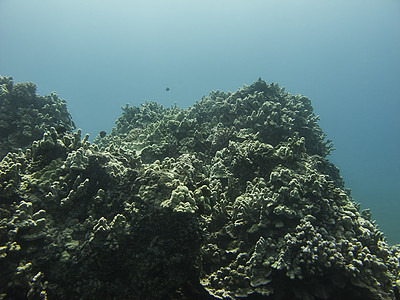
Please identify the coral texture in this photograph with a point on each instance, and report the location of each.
(231, 198)
(25, 116)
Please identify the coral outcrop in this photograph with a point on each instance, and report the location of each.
(231, 198)
(26, 116)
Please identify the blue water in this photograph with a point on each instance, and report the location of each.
(344, 55)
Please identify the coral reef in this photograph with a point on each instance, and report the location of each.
(231, 198)
(25, 116)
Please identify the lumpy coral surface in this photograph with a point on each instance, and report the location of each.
(231, 198)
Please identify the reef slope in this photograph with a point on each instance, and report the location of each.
(231, 198)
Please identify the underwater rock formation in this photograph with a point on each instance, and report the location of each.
(231, 198)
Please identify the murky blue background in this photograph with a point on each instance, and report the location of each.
(344, 55)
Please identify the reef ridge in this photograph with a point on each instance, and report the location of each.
(232, 198)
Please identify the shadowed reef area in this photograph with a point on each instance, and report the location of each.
(231, 198)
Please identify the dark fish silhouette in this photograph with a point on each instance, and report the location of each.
(102, 133)
(167, 89)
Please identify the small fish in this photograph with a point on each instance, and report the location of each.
(61, 129)
(102, 133)
(167, 89)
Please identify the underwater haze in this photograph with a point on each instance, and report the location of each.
(343, 55)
